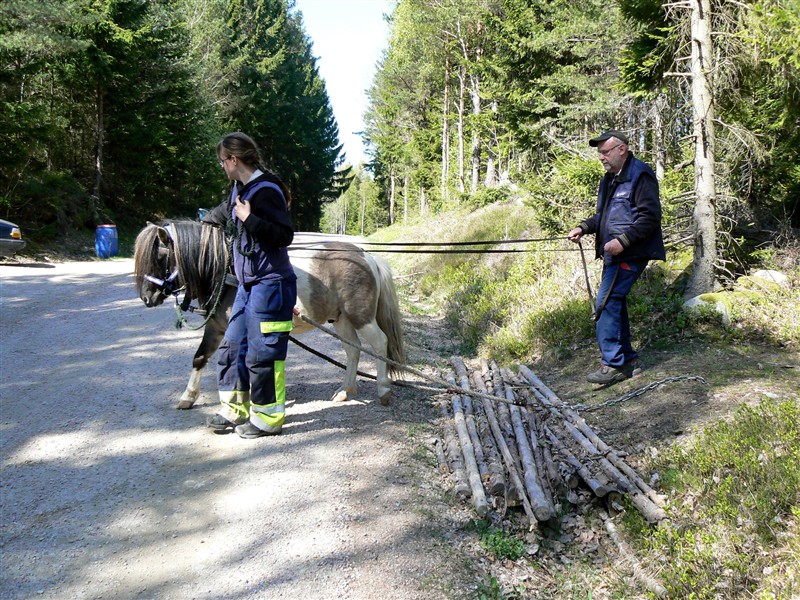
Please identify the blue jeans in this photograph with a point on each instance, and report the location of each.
(613, 326)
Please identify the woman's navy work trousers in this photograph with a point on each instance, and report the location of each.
(250, 371)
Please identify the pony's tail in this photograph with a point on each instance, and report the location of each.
(388, 316)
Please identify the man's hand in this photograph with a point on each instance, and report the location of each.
(242, 210)
(575, 235)
(613, 247)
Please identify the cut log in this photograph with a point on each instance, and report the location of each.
(438, 450)
(468, 452)
(649, 509)
(648, 581)
(614, 458)
(454, 455)
(596, 486)
(516, 482)
(496, 481)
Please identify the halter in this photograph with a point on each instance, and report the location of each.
(168, 285)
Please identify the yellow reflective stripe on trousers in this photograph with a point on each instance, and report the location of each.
(270, 417)
(235, 404)
(275, 326)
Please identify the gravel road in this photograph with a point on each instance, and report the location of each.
(109, 492)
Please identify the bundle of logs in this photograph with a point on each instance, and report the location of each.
(530, 449)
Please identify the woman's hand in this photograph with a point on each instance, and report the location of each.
(242, 210)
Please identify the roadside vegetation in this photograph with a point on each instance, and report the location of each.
(732, 472)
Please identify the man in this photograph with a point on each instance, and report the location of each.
(627, 228)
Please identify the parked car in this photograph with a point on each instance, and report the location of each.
(11, 240)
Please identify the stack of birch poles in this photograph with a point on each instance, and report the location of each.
(531, 450)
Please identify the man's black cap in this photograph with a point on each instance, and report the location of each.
(606, 135)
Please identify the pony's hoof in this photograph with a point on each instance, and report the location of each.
(385, 398)
(184, 405)
(340, 396)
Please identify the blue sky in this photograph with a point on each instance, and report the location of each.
(348, 38)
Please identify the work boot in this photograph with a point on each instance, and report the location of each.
(607, 375)
(220, 423)
(249, 431)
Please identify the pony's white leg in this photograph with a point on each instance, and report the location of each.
(378, 340)
(191, 392)
(350, 387)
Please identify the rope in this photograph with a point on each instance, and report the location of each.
(327, 358)
(398, 382)
(517, 241)
(445, 385)
(482, 251)
(316, 246)
(586, 276)
(448, 387)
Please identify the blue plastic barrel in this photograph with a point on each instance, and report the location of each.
(105, 241)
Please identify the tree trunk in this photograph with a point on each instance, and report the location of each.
(363, 207)
(476, 140)
(461, 110)
(100, 133)
(405, 199)
(659, 150)
(392, 192)
(446, 127)
(493, 155)
(344, 215)
(704, 218)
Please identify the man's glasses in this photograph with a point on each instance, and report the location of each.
(605, 152)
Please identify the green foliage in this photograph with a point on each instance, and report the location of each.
(126, 100)
(53, 198)
(486, 196)
(359, 210)
(565, 192)
(741, 485)
(497, 542)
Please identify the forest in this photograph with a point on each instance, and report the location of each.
(483, 100)
(112, 109)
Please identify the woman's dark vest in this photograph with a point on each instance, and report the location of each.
(272, 263)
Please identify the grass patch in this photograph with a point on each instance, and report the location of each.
(736, 508)
(496, 542)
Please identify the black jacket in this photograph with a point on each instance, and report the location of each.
(264, 236)
(629, 210)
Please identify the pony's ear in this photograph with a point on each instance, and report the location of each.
(163, 235)
(148, 224)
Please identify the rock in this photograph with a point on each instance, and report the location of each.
(717, 301)
(774, 276)
(763, 281)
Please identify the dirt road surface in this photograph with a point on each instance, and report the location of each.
(109, 492)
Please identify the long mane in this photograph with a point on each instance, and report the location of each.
(145, 255)
(200, 253)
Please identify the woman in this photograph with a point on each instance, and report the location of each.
(251, 357)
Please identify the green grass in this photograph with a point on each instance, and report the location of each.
(735, 512)
(734, 489)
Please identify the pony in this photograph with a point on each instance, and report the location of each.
(337, 282)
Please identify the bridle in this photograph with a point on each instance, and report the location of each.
(169, 284)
